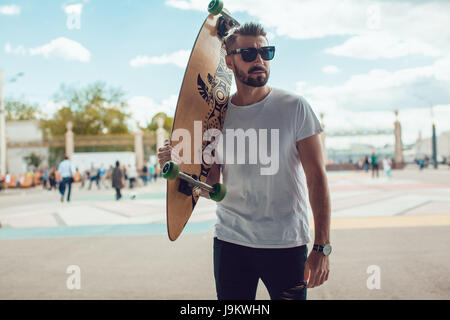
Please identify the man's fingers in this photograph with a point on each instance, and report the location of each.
(306, 273)
(321, 278)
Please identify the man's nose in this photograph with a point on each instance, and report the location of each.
(259, 59)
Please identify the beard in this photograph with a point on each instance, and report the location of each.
(250, 80)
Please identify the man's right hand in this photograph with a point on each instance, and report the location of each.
(164, 153)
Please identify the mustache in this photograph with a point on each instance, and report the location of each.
(257, 68)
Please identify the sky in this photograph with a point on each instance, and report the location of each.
(354, 61)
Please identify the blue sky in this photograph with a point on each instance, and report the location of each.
(355, 60)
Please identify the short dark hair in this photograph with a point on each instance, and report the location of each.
(247, 29)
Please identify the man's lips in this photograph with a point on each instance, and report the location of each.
(257, 72)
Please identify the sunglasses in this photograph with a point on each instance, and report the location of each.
(250, 54)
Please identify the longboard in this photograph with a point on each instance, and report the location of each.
(201, 105)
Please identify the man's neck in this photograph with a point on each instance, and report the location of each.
(246, 95)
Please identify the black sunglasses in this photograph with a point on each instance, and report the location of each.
(250, 54)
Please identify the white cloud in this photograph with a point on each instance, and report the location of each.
(20, 50)
(378, 44)
(144, 108)
(375, 28)
(331, 69)
(10, 10)
(178, 58)
(63, 48)
(367, 101)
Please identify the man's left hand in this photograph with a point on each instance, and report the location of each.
(317, 268)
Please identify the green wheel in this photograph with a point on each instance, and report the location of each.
(215, 7)
(170, 170)
(219, 192)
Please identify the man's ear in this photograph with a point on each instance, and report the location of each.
(228, 60)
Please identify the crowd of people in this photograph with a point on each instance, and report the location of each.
(61, 177)
(373, 163)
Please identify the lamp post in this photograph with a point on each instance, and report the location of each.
(433, 132)
(434, 144)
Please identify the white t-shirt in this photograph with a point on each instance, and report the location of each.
(266, 208)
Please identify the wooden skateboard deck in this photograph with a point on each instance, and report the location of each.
(203, 98)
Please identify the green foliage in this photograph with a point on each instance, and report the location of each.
(21, 110)
(168, 122)
(34, 160)
(93, 110)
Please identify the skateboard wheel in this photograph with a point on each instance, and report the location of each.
(219, 192)
(170, 170)
(215, 7)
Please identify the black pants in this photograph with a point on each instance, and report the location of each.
(118, 195)
(237, 270)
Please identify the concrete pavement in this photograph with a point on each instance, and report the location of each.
(399, 228)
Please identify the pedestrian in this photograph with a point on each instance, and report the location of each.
(101, 176)
(45, 177)
(366, 164)
(374, 163)
(52, 179)
(387, 167)
(94, 176)
(132, 175)
(117, 180)
(262, 230)
(65, 170)
(151, 172)
(144, 175)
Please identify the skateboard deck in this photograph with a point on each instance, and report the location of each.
(202, 104)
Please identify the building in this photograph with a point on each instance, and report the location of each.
(23, 138)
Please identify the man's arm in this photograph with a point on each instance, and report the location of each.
(310, 152)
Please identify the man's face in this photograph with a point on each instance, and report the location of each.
(255, 73)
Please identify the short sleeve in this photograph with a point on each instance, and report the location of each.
(307, 123)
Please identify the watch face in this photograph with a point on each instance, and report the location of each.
(327, 249)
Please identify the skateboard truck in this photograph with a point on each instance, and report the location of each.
(171, 171)
(226, 21)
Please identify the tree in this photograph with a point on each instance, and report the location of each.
(21, 110)
(93, 110)
(34, 160)
(168, 122)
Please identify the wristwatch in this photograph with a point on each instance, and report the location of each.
(325, 249)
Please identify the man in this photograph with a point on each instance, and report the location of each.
(65, 170)
(262, 227)
(374, 161)
(117, 180)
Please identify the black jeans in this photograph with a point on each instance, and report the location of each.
(237, 270)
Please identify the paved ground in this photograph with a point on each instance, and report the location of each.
(398, 227)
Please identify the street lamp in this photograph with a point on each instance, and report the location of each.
(3, 122)
(433, 128)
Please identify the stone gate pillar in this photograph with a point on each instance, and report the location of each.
(398, 156)
(139, 148)
(69, 140)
